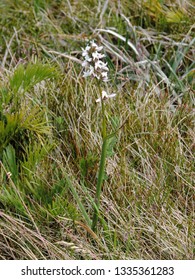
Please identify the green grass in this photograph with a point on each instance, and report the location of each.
(50, 131)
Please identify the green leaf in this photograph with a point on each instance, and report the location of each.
(9, 161)
(24, 79)
(78, 200)
(9, 124)
(110, 146)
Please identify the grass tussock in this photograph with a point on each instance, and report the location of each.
(50, 131)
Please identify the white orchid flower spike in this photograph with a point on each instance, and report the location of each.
(105, 96)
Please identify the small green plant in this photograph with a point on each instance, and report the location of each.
(96, 68)
(23, 129)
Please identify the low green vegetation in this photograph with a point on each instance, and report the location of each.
(51, 138)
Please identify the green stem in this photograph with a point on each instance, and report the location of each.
(101, 169)
(99, 185)
(104, 133)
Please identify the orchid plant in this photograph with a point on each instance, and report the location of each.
(96, 68)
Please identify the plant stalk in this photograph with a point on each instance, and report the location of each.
(101, 169)
(99, 185)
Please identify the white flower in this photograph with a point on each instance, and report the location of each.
(101, 65)
(98, 49)
(85, 51)
(96, 75)
(105, 96)
(104, 76)
(97, 55)
(88, 58)
(86, 54)
(89, 72)
(85, 63)
(93, 64)
(93, 44)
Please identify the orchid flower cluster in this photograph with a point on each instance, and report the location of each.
(95, 67)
